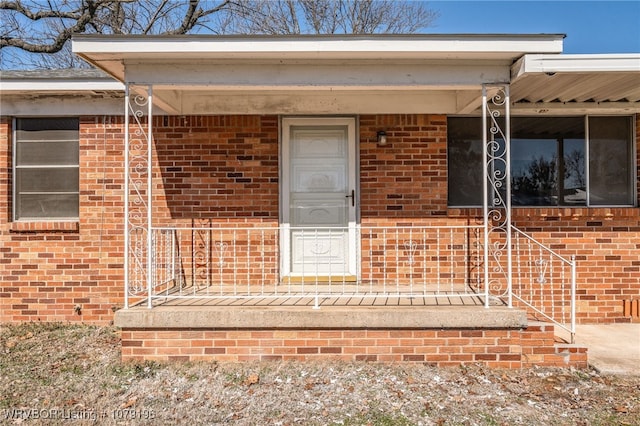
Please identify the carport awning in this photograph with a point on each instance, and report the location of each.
(576, 83)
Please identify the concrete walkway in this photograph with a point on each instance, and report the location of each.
(612, 348)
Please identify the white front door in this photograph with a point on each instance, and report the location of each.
(319, 197)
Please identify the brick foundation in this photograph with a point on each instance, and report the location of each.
(501, 348)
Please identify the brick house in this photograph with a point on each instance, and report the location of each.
(433, 198)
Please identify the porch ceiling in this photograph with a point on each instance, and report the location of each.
(315, 87)
(313, 74)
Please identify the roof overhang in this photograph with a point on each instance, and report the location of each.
(336, 75)
(57, 81)
(59, 92)
(112, 53)
(313, 74)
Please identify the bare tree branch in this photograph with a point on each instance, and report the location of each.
(43, 28)
(154, 17)
(41, 14)
(189, 20)
(64, 35)
(331, 17)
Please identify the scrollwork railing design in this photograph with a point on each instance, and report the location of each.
(201, 250)
(498, 203)
(137, 171)
(410, 247)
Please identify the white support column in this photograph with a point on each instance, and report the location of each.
(150, 251)
(507, 142)
(138, 261)
(573, 299)
(126, 196)
(485, 198)
(496, 129)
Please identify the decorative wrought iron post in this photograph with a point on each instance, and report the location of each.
(496, 134)
(138, 254)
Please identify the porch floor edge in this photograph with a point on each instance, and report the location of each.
(294, 317)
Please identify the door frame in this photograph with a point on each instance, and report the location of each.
(284, 188)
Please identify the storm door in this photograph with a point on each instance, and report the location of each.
(319, 198)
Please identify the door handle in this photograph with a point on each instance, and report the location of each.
(353, 197)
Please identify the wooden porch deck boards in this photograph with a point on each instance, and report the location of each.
(379, 299)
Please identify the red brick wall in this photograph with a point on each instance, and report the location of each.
(219, 171)
(502, 348)
(225, 169)
(606, 243)
(407, 178)
(49, 268)
(222, 168)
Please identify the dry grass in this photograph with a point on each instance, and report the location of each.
(73, 373)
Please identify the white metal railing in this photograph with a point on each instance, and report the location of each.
(241, 263)
(395, 262)
(544, 281)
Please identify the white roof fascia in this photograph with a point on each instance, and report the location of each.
(590, 63)
(58, 86)
(372, 47)
(110, 52)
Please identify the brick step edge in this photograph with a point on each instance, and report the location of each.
(552, 353)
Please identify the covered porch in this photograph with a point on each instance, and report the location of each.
(307, 250)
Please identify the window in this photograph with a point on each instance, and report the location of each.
(610, 166)
(46, 168)
(555, 161)
(548, 161)
(464, 155)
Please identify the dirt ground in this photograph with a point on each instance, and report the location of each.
(72, 374)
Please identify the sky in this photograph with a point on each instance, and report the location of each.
(590, 26)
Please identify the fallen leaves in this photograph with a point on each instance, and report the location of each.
(130, 402)
(252, 379)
